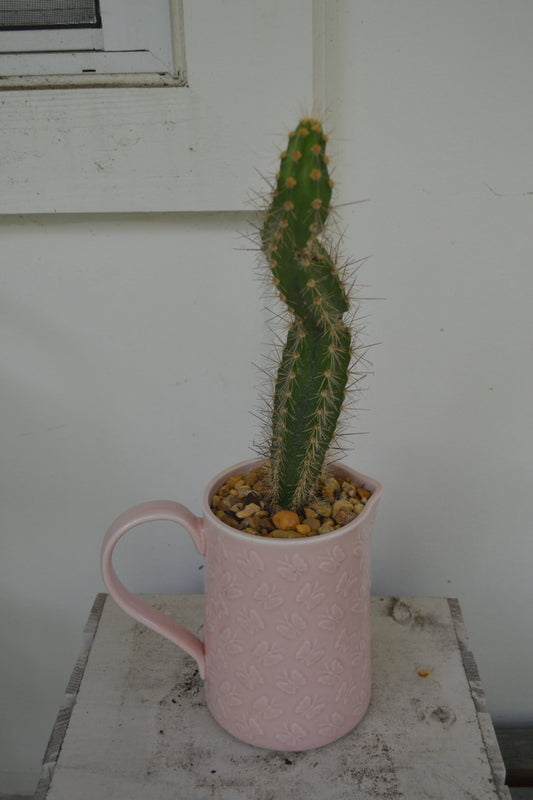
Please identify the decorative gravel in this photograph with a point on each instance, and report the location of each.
(242, 503)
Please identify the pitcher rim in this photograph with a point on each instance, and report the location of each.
(337, 467)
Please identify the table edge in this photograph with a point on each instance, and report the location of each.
(59, 730)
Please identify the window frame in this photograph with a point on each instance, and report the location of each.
(143, 46)
(145, 148)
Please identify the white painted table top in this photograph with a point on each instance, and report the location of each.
(134, 725)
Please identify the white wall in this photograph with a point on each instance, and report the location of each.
(127, 345)
(435, 124)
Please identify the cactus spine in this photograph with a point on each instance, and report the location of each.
(314, 368)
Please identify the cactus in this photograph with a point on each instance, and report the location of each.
(314, 368)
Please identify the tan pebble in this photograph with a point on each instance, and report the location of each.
(283, 534)
(226, 502)
(331, 487)
(259, 486)
(364, 494)
(286, 520)
(237, 507)
(344, 519)
(327, 527)
(215, 501)
(338, 505)
(251, 530)
(343, 511)
(313, 523)
(227, 519)
(310, 512)
(358, 507)
(249, 522)
(323, 509)
(305, 529)
(248, 511)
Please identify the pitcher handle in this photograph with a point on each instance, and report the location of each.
(133, 605)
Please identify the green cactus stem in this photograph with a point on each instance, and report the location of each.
(314, 368)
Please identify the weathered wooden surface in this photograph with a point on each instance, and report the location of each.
(139, 727)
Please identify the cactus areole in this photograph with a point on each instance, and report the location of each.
(314, 367)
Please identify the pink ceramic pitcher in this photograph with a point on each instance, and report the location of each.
(286, 653)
